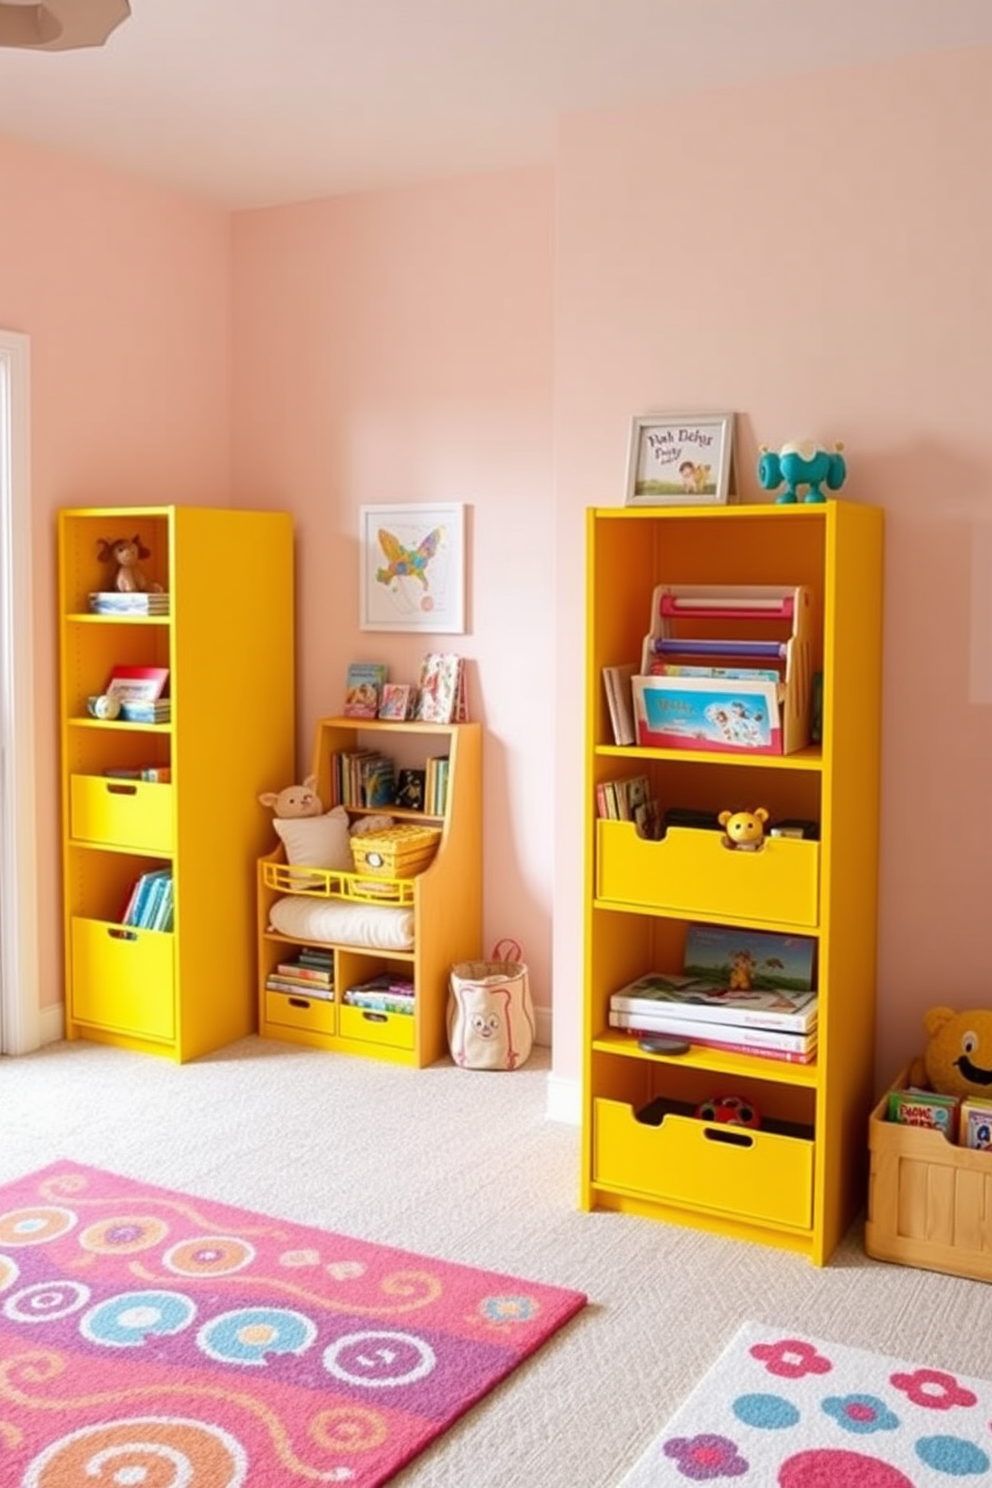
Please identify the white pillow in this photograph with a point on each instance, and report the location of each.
(381, 927)
(317, 841)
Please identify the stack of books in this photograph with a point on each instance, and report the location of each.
(382, 994)
(749, 992)
(110, 602)
(310, 973)
(140, 710)
(151, 903)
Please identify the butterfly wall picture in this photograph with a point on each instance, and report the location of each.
(412, 568)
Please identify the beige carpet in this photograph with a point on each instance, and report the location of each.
(465, 1165)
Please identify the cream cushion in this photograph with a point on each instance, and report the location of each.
(317, 841)
(381, 927)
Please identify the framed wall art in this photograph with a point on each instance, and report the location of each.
(680, 459)
(413, 568)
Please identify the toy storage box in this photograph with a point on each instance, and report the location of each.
(929, 1202)
(395, 852)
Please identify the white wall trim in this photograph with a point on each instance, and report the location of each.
(564, 1100)
(18, 825)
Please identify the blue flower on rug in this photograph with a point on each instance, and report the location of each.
(952, 1455)
(769, 1412)
(703, 1458)
(861, 1413)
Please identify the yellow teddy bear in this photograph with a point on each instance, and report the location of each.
(958, 1056)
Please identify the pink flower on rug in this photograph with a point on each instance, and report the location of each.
(933, 1389)
(791, 1358)
(703, 1458)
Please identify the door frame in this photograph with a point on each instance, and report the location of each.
(20, 1014)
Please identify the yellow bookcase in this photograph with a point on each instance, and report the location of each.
(798, 1182)
(227, 641)
(444, 900)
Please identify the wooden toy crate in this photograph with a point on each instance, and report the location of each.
(395, 852)
(929, 1202)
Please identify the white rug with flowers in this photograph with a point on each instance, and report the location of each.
(781, 1410)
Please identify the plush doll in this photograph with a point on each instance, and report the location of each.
(744, 829)
(294, 800)
(958, 1056)
(126, 552)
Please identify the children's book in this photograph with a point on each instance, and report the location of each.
(616, 684)
(397, 701)
(715, 1035)
(363, 688)
(441, 693)
(750, 960)
(410, 789)
(706, 1002)
(144, 684)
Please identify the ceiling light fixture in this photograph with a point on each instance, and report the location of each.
(59, 25)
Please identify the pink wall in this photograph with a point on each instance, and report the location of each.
(812, 254)
(397, 347)
(815, 255)
(124, 292)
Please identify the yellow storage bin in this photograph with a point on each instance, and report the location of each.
(123, 979)
(929, 1202)
(754, 1176)
(689, 871)
(121, 813)
(296, 1010)
(395, 852)
(368, 1026)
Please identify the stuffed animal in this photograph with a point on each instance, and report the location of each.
(744, 830)
(126, 553)
(958, 1056)
(294, 800)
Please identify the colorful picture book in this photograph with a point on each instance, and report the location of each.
(144, 684)
(702, 713)
(753, 960)
(738, 1036)
(397, 701)
(705, 1002)
(410, 785)
(385, 993)
(363, 688)
(441, 692)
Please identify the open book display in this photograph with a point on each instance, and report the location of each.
(726, 669)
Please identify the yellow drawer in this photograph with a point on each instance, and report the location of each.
(691, 872)
(123, 979)
(296, 1010)
(394, 1030)
(750, 1175)
(121, 813)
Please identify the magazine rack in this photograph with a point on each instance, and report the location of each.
(728, 629)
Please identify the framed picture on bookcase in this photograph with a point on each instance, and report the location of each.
(412, 574)
(680, 459)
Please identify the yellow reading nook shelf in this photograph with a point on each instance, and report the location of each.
(168, 796)
(798, 1178)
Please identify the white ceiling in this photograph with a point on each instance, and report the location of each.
(258, 102)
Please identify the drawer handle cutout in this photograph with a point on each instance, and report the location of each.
(122, 790)
(376, 1017)
(117, 932)
(300, 1002)
(732, 1138)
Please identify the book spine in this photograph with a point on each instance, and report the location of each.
(787, 1056)
(297, 989)
(298, 970)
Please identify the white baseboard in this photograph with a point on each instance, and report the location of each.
(564, 1100)
(52, 1023)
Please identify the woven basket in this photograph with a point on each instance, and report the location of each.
(395, 852)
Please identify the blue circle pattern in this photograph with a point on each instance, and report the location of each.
(769, 1412)
(249, 1334)
(129, 1319)
(861, 1414)
(952, 1455)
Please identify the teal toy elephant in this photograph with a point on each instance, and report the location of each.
(803, 463)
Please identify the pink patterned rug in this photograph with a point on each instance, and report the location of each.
(149, 1337)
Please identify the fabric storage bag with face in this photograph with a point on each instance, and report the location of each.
(490, 1012)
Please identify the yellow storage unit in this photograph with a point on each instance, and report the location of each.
(173, 796)
(798, 1181)
(437, 892)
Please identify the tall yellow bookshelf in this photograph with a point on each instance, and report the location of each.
(443, 903)
(798, 1181)
(226, 638)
